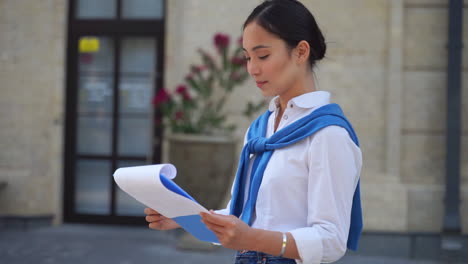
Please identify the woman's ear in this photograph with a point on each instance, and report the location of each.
(302, 51)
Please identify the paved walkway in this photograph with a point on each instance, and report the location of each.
(73, 243)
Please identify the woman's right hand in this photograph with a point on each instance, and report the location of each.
(158, 221)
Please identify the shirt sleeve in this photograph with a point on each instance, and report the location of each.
(334, 167)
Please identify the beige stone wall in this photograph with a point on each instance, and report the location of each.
(386, 65)
(357, 73)
(424, 114)
(32, 66)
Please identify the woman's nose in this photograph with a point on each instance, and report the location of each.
(253, 68)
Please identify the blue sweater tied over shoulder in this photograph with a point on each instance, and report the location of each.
(257, 143)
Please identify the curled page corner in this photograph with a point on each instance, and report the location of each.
(152, 186)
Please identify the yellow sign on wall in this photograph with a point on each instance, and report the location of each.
(88, 45)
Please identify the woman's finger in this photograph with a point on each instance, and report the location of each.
(159, 224)
(220, 220)
(214, 227)
(153, 218)
(219, 235)
(207, 221)
(156, 225)
(150, 211)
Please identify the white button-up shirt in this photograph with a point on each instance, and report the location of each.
(308, 187)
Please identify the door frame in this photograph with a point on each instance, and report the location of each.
(115, 29)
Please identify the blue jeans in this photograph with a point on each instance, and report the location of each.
(253, 257)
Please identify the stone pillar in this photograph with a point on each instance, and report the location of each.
(394, 90)
(32, 73)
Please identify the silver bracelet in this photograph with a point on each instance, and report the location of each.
(283, 246)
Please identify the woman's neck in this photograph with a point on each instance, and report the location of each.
(302, 86)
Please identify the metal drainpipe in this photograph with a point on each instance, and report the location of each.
(451, 245)
(452, 185)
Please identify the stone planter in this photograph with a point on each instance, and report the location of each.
(205, 166)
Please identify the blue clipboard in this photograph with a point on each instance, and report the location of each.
(191, 223)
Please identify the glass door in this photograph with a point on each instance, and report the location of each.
(109, 123)
(114, 69)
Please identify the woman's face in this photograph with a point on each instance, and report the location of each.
(269, 61)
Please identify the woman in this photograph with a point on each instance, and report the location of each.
(296, 193)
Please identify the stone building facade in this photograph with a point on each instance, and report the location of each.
(386, 65)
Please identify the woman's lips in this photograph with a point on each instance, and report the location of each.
(260, 84)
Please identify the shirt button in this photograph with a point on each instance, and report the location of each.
(285, 117)
(292, 105)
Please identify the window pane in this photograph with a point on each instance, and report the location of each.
(96, 9)
(135, 136)
(93, 187)
(96, 55)
(127, 205)
(138, 56)
(136, 91)
(152, 9)
(94, 135)
(95, 97)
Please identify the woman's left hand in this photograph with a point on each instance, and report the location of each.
(232, 232)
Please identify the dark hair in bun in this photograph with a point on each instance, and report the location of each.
(292, 22)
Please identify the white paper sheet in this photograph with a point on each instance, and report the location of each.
(144, 184)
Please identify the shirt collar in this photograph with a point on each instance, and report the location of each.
(307, 100)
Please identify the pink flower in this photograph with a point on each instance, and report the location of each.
(189, 77)
(221, 41)
(162, 96)
(186, 97)
(181, 89)
(238, 61)
(200, 68)
(179, 115)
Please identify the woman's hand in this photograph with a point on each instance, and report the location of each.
(231, 231)
(158, 221)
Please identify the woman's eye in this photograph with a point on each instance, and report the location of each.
(264, 57)
(246, 58)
